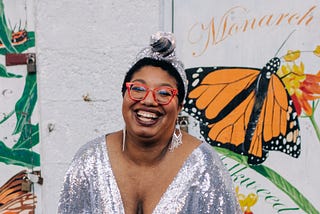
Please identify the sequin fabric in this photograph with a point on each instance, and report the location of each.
(202, 185)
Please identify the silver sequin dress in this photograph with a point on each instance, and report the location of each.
(202, 185)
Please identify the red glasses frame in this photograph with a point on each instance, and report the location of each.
(174, 92)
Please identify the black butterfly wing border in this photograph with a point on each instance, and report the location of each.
(288, 142)
(195, 77)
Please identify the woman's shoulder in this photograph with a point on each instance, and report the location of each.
(207, 149)
(206, 155)
(87, 150)
(200, 146)
(200, 149)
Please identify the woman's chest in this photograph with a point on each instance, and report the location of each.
(141, 190)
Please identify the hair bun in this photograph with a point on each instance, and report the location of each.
(162, 47)
(163, 43)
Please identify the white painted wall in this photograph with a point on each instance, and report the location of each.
(84, 48)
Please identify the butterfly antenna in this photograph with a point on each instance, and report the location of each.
(284, 42)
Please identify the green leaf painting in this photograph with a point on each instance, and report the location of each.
(21, 153)
(25, 105)
(29, 137)
(275, 178)
(20, 157)
(5, 74)
(5, 32)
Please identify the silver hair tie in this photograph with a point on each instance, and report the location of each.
(162, 47)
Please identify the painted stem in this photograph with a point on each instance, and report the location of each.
(312, 119)
(276, 179)
(315, 126)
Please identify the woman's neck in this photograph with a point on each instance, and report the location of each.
(145, 153)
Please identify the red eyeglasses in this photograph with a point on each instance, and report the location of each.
(162, 95)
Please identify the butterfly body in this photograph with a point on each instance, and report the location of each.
(261, 90)
(246, 110)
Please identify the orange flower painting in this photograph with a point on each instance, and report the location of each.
(303, 88)
(246, 201)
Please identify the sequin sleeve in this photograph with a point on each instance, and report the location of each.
(215, 192)
(74, 197)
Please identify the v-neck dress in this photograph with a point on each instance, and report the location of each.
(202, 185)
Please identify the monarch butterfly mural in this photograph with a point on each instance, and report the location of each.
(13, 199)
(17, 38)
(246, 110)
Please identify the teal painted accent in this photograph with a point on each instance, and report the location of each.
(21, 153)
(20, 157)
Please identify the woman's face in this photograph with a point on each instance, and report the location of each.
(146, 119)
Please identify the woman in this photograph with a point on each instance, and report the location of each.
(151, 166)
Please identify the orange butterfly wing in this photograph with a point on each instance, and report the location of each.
(209, 98)
(232, 127)
(222, 99)
(13, 199)
(218, 88)
(278, 126)
(24, 203)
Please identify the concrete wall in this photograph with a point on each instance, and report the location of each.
(83, 50)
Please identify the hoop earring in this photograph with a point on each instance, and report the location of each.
(176, 140)
(123, 139)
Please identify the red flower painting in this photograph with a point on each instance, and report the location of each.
(304, 88)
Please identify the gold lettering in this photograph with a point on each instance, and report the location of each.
(224, 28)
(282, 16)
(233, 29)
(199, 36)
(267, 23)
(293, 16)
(202, 35)
(253, 23)
(307, 14)
(213, 31)
(245, 25)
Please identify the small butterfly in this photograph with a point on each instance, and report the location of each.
(17, 38)
(13, 199)
(246, 110)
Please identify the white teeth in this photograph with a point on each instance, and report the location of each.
(145, 119)
(147, 114)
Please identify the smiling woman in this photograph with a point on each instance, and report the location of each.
(150, 166)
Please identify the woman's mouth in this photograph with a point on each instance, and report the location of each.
(147, 117)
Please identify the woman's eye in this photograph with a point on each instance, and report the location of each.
(164, 92)
(138, 88)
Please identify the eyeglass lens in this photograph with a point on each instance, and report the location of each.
(162, 95)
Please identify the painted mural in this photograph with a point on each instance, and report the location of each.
(19, 127)
(254, 90)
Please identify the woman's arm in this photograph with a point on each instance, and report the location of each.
(75, 194)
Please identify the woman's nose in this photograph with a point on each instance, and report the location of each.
(149, 100)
